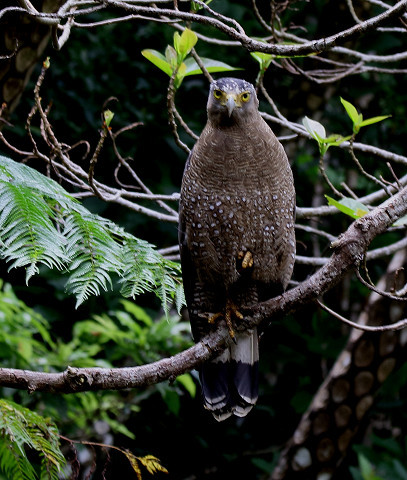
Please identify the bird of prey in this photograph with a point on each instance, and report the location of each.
(236, 234)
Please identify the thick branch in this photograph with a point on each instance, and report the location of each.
(74, 380)
(328, 427)
(221, 22)
(349, 252)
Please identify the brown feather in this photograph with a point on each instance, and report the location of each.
(237, 196)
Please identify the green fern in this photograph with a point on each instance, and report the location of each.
(27, 232)
(41, 224)
(94, 254)
(21, 428)
(145, 271)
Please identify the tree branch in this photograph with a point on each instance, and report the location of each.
(220, 22)
(349, 251)
(325, 432)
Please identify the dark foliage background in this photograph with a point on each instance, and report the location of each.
(296, 352)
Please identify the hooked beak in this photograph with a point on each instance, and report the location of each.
(230, 104)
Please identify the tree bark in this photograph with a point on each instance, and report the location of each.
(22, 43)
(349, 251)
(326, 430)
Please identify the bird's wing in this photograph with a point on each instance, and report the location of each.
(196, 295)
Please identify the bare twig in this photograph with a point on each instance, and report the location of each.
(371, 287)
(349, 251)
(223, 24)
(366, 328)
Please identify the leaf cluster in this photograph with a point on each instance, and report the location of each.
(21, 428)
(24, 334)
(318, 132)
(151, 463)
(356, 209)
(389, 463)
(41, 224)
(122, 337)
(357, 118)
(175, 62)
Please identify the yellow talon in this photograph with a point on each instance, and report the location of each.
(246, 258)
(230, 312)
(214, 317)
(247, 261)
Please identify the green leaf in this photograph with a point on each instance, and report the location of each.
(336, 140)
(357, 118)
(180, 75)
(213, 66)
(171, 57)
(158, 60)
(365, 466)
(370, 121)
(264, 465)
(366, 469)
(195, 7)
(351, 111)
(137, 312)
(108, 117)
(187, 382)
(400, 469)
(24, 334)
(317, 131)
(172, 400)
(184, 43)
(349, 206)
(264, 59)
(401, 222)
(177, 41)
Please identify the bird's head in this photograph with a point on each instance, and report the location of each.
(231, 101)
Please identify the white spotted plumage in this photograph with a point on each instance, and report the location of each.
(237, 196)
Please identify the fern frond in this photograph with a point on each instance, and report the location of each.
(152, 464)
(40, 223)
(12, 463)
(94, 253)
(140, 260)
(27, 231)
(20, 428)
(24, 176)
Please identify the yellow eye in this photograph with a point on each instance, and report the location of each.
(245, 96)
(217, 94)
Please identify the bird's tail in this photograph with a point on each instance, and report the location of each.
(230, 381)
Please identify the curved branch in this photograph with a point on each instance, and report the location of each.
(349, 251)
(236, 31)
(366, 328)
(74, 380)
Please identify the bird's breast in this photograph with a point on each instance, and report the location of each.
(237, 195)
(222, 226)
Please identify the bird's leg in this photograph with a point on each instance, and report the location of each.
(214, 317)
(231, 311)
